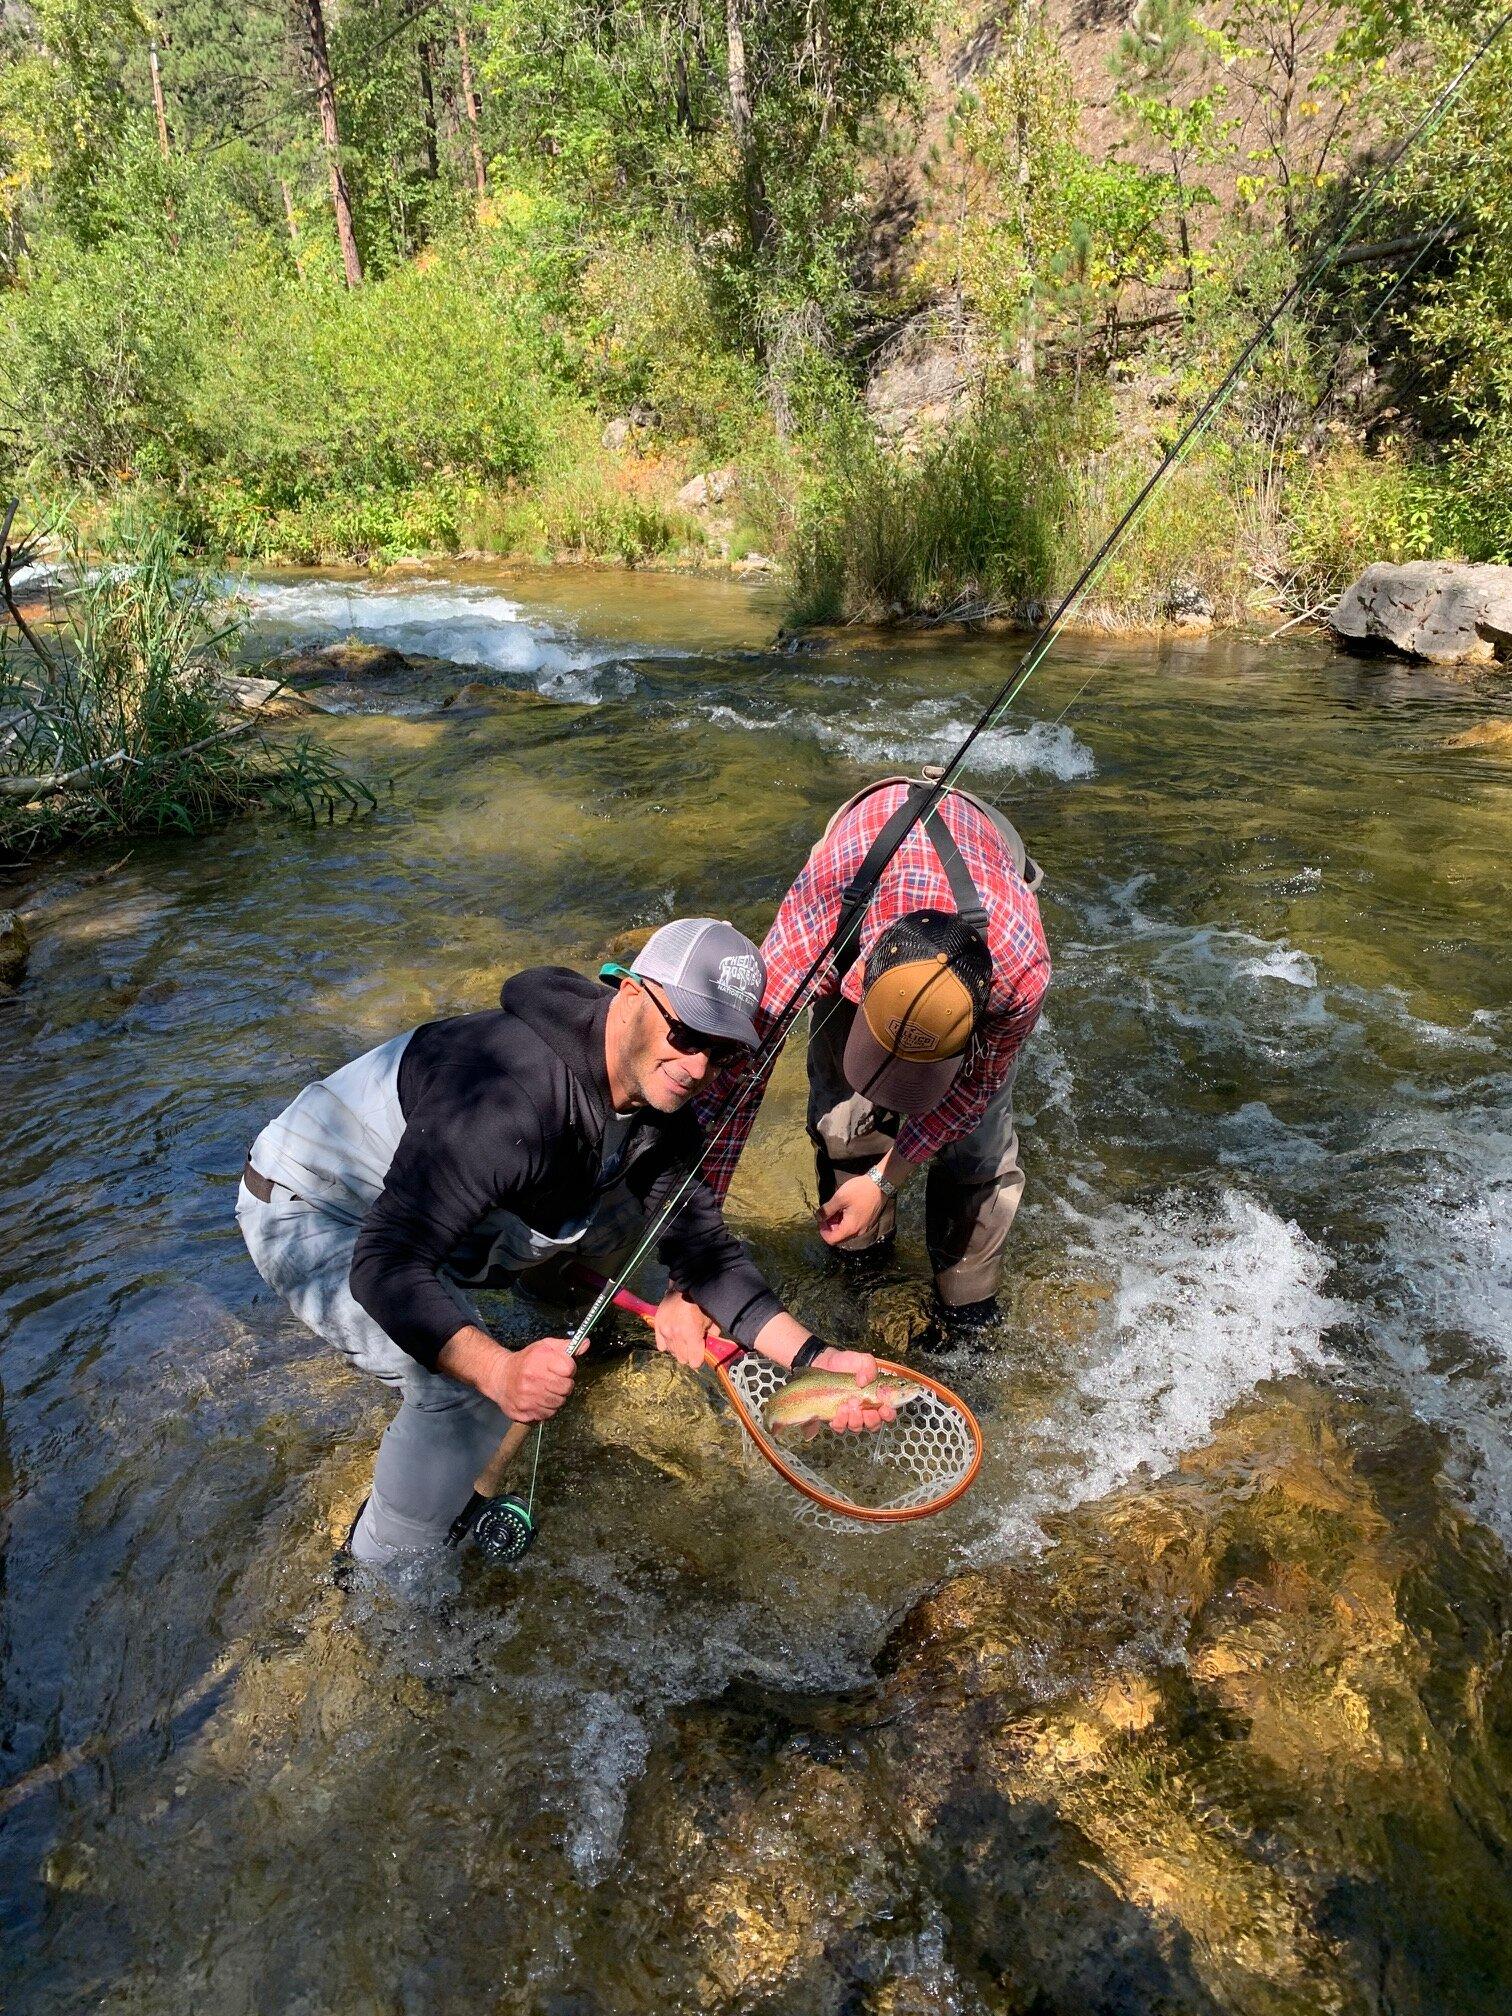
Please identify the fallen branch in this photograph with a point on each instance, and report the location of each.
(1394, 248)
(1307, 616)
(48, 787)
(37, 788)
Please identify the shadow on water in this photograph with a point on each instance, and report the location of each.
(1267, 1124)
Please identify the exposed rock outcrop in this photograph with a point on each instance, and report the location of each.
(351, 660)
(712, 487)
(1232, 1745)
(1434, 610)
(919, 381)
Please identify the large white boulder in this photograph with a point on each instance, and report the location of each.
(1437, 610)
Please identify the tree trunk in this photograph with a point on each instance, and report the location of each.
(753, 190)
(428, 110)
(1027, 324)
(470, 101)
(1026, 357)
(157, 98)
(325, 88)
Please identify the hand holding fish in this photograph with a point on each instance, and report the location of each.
(842, 1391)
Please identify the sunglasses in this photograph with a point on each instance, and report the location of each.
(720, 1050)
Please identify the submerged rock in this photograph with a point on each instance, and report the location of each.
(351, 660)
(474, 694)
(15, 950)
(1238, 1742)
(624, 945)
(1484, 735)
(1435, 610)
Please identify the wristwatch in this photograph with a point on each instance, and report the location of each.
(874, 1175)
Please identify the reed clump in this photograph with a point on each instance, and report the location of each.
(113, 713)
(972, 524)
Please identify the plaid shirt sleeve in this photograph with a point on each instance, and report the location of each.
(800, 931)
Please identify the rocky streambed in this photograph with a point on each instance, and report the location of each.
(1198, 1702)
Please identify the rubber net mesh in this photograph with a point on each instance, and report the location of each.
(908, 1463)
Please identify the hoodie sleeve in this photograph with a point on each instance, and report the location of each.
(457, 1160)
(706, 1261)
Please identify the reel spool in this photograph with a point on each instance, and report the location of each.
(504, 1529)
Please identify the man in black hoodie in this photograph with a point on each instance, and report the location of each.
(463, 1153)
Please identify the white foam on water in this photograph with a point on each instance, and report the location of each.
(929, 733)
(464, 624)
(610, 1745)
(890, 736)
(1475, 1035)
(1210, 1298)
(1443, 1319)
(1208, 1303)
(1281, 962)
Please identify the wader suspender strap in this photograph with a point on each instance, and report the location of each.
(969, 905)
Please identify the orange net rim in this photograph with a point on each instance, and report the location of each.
(720, 1352)
(846, 1508)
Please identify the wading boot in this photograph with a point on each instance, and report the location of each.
(963, 1326)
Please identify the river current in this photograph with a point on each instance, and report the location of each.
(1268, 1135)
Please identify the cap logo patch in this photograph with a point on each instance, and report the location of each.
(909, 1040)
(740, 975)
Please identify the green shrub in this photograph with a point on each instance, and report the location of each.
(652, 336)
(1205, 530)
(230, 374)
(1348, 508)
(115, 717)
(973, 524)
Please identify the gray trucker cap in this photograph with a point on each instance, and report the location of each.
(712, 975)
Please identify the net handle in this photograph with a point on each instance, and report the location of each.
(720, 1353)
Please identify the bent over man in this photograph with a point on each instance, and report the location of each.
(467, 1151)
(914, 1045)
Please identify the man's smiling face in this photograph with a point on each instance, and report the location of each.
(665, 1078)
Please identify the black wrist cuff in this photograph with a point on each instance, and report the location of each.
(807, 1352)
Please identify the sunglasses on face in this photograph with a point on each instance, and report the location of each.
(719, 1050)
(693, 1042)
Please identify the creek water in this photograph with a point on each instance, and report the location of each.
(1267, 1122)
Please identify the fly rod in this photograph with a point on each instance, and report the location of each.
(839, 947)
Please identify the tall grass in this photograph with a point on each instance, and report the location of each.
(998, 515)
(112, 716)
(972, 525)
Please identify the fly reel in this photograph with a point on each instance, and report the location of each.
(504, 1529)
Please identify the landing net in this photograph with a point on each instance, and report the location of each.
(912, 1466)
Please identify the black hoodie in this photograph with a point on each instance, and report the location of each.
(506, 1110)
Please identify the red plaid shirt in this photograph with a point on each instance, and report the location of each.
(912, 880)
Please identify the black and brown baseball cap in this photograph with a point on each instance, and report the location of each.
(926, 986)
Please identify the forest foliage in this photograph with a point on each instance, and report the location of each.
(364, 278)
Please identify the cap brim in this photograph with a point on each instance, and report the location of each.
(710, 1016)
(894, 1083)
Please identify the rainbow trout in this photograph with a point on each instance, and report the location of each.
(812, 1398)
